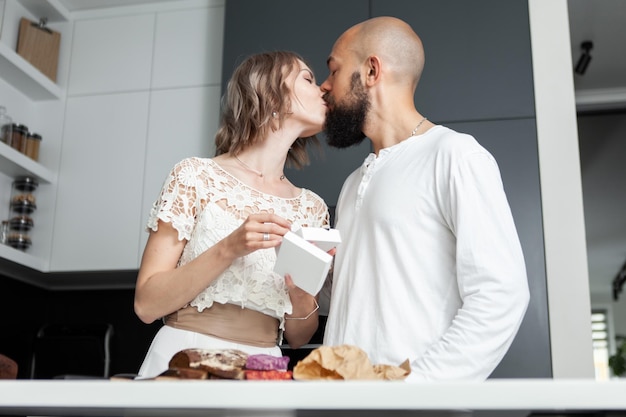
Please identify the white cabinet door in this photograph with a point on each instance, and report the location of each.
(182, 124)
(185, 99)
(143, 94)
(111, 54)
(188, 48)
(100, 183)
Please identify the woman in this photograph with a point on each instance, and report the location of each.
(207, 265)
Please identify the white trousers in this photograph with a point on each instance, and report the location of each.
(168, 341)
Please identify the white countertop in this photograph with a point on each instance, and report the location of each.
(286, 398)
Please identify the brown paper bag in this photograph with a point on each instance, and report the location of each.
(346, 362)
(39, 46)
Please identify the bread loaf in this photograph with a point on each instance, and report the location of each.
(223, 363)
(184, 373)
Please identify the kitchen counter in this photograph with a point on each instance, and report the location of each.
(504, 397)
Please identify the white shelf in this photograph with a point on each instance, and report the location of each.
(15, 164)
(18, 72)
(22, 258)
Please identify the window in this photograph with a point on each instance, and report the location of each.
(601, 346)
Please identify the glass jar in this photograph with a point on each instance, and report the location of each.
(21, 224)
(23, 205)
(6, 126)
(4, 232)
(19, 241)
(18, 137)
(33, 140)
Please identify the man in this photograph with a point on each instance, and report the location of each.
(430, 267)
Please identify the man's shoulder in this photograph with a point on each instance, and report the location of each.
(449, 140)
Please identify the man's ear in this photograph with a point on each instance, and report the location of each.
(373, 70)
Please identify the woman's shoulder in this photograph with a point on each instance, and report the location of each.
(313, 199)
(194, 162)
(193, 166)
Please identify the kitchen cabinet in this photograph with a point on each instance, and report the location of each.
(136, 92)
(147, 99)
(100, 182)
(478, 57)
(182, 124)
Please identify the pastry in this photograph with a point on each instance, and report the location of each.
(222, 363)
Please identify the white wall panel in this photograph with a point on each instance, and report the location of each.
(188, 47)
(182, 124)
(100, 183)
(112, 55)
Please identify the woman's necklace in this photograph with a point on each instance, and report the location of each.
(259, 173)
(414, 130)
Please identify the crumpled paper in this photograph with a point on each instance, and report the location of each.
(346, 362)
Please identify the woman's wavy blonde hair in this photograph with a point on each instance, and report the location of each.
(256, 89)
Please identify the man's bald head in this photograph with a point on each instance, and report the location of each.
(393, 40)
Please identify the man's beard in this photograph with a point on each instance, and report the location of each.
(345, 122)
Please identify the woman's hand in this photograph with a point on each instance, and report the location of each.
(300, 299)
(258, 231)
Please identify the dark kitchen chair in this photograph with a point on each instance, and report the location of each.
(72, 351)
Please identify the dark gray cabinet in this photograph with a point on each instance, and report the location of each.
(478, 57)
(310, 29)
(478, 80)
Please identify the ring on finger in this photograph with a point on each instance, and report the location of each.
(266, 237)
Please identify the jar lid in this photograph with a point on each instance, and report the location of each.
(21, 223)
(22, 128)
(35, 136)
(25, 183)
(23, 205)
(19, 240)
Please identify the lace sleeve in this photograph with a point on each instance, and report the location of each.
(325, 215)
(317, 211)
(177, 202)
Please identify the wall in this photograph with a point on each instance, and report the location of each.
(463, 87)
(561, 190)
(602, 144)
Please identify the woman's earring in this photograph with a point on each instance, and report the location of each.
(274, 114)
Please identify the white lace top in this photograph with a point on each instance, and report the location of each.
(205, 204)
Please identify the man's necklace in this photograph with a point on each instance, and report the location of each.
(414, 130)
(259, 173)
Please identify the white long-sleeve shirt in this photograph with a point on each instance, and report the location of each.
(430, 267)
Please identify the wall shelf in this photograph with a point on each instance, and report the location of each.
(15, 164)
(27, 79)
(22, 258)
